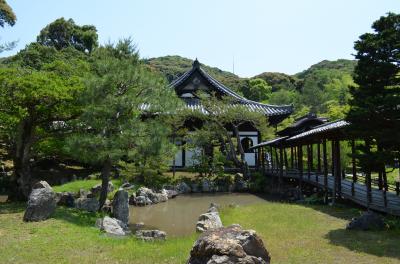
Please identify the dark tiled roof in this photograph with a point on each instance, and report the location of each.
(269, 110)
(314, 131)
(321, 129)
(269, 143)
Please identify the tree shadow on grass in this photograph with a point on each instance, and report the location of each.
(12, 208)
(75, 216)
(379, 243)
(342, 210)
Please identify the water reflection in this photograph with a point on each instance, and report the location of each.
(178, 216)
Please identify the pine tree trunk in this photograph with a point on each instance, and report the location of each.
(105, 176)
(22, 170)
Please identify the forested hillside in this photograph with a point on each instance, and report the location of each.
(323, 88)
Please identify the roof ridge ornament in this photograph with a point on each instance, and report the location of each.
(196, 64)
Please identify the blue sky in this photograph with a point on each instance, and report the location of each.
(261, 35)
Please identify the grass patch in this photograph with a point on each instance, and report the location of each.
(292, 233)
(75, 186)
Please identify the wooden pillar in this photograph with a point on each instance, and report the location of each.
(325, 161)
(338, 169)
(353, 166)
(291, 158)
(296, 158)
(308, 162)
(333, 145)
(368, 175)
(286, 159)
(319, 157)
(280, 168)
(277, 159)
(262, 154)
(300, 165)
(272, 158)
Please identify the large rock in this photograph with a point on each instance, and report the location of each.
(65, 199)
(229, 245)
(87, 204)
(367, 221)
(97, 188)
(150, 235)
(206, 186)
(112, 226)
(154, 197)
(171, 193)
(41, 204)
(209, 220)
(120, 206)
(182, 187)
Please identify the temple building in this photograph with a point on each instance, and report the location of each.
(197, 79)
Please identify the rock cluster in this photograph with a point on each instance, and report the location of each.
(87, 204)
(65, 199)
(151, 235)
(209, 220)
(367, 221)
(41, 204)
(145, 196)
(229, 245)
(95, 190)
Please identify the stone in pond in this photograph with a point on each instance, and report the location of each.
(142, 201)
(229, 245)
(367, 221)
(150, 235)
(120, 206)
(182, 187)
(41, 204)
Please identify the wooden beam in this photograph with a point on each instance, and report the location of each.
(338, 169)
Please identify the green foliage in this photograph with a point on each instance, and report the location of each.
(7, 15)
(258, 90)
(113, 125)
(63, 33)
(374, 111)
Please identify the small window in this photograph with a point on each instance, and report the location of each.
(246, 144)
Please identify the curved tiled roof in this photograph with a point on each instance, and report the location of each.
(269, 110)
(321, 128)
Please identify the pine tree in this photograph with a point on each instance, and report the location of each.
(119, 103)
(375, 104)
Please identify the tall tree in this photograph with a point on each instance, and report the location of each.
(120, 102)
(65, 33)
(374, 112)
(31, 100)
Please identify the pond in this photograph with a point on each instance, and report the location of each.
(178, 216)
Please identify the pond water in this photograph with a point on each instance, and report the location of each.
(178, 216)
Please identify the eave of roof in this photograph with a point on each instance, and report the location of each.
(270, 110)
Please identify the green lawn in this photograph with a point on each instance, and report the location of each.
(292, 233)
(75, 186)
